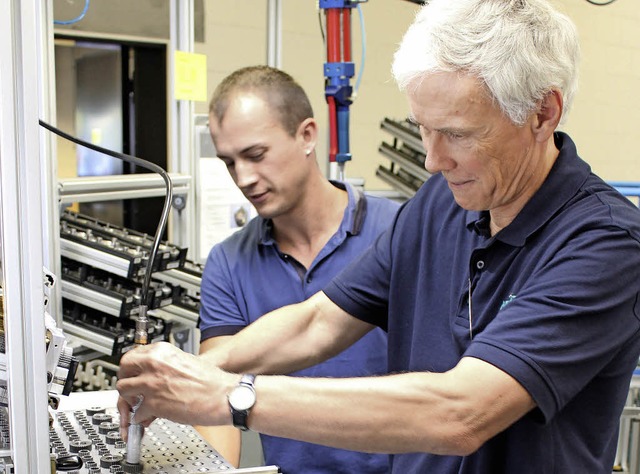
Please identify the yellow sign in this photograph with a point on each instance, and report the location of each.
(190, 76)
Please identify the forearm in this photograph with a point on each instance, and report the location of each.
(288, 339)
(443, 413)
(350, 414)
(415, 412)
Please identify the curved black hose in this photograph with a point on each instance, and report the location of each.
(145, 164)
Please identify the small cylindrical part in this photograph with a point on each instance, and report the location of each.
(107, 426)
(134, 443)
(142, 327)
(132, 468)
(108, 460)
(101, 418)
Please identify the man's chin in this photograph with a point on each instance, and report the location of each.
(468, 204)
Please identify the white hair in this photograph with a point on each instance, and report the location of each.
(519, 49)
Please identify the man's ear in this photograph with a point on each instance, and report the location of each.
(308, 132)
(548, 115)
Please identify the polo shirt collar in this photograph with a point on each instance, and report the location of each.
(565, 179)
(351, 222)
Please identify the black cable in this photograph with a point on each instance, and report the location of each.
(601, 4)
(145, 164)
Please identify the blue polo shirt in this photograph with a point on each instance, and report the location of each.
(247, 276)
(555, 304)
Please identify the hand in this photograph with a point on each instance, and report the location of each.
(175, 385)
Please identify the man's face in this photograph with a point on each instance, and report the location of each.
(486, 159)
(265, 162)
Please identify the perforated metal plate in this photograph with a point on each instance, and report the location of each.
(167, 447)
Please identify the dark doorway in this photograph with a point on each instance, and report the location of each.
(115, 97)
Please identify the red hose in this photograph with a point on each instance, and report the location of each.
(333, 129)
(346, 34)
(333, 35)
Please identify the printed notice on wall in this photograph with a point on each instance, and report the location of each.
(223, 208)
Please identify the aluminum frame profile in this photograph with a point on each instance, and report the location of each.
(96, 258)
(177, 277)
(89, 339)
(405, 162)
(131, 186)
(176, 314)
(23, 35)
(390, 178)
(93, 299)
(408, 137)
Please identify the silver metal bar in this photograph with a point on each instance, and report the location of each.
(274, 33)
(176, 314)
(118, 38)
(179, 278)
(634, 454)
(182, 228)
(403, 134)
(91, 298)
(132, 186)
(48, 149)
(404, 162)
(95, 258)
(631, 412)
(390, 178)
(89, 339)
(21, 231)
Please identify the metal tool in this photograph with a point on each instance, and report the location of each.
(134, 435)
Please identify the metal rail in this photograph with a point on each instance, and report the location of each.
(131, 186)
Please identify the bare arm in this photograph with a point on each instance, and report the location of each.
(443, 413)
(227, 440)
(290, 338)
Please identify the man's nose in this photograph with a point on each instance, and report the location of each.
(437, 158)
(245, 174)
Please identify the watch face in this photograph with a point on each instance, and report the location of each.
(242, 398)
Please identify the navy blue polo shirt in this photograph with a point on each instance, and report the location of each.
(246, 276)
(554, 303)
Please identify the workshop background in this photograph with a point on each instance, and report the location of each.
(233, 33)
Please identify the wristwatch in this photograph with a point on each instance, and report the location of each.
(241, 400)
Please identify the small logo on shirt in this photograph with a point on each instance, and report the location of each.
(507, 301)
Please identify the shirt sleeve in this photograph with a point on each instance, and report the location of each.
(362, 288)
(219, 312)
(573, 319)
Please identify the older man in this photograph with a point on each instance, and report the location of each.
(508, 285)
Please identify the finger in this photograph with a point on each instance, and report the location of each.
(123, 409)
(132, 362)
(130, 388)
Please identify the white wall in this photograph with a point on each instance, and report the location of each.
(603, 122)
(236, 32)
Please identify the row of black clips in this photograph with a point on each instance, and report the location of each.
(103, 268)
